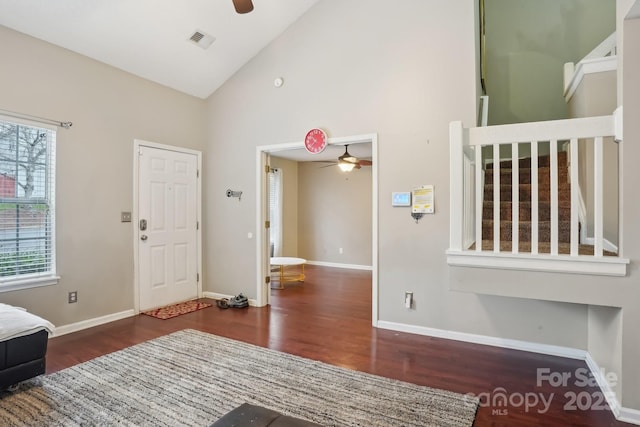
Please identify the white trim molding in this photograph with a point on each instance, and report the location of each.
(628, 415)
(551, 350)
(605, 387)
(262, 261)
(621, 413)
(90, 323)
(340, 265)
(601, 266)
(216, 296)
(588, 66)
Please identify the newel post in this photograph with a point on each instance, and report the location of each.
(456, 182)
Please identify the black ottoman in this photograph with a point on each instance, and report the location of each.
(257, 416)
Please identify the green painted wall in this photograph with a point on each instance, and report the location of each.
(527, 43)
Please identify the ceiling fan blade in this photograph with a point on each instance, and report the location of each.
(365, 162)
(243, 6)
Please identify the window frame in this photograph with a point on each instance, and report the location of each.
(50, 276)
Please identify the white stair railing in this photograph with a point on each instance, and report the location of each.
(602, 58)
(467, 184)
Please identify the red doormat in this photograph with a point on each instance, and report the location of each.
(176, 309)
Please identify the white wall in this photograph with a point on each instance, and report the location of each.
(405, 71)
(335, 212)
(629, 291)
(605, 342)
(109, 109)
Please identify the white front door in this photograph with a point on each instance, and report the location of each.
(167, 227)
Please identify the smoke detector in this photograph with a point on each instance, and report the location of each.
(201, 39)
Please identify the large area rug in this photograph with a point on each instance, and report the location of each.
(191, 378)
(176, 309)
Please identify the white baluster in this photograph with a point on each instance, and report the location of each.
(553, 147)
(515, 199)
(479, 196)
(575, 196)
(597, 196)
(534, 197)
(496, 197)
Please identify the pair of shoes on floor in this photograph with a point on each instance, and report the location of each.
(239, 301)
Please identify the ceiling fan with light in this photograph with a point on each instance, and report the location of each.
(347, 162)
(243, 6)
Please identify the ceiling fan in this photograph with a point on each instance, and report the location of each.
(243, 6)
(347, 162)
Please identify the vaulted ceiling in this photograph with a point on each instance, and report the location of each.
(151, 38)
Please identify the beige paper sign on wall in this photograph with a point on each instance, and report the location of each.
(423, 200)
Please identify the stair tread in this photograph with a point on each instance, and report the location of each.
(543, 161)
(525, 222)
(508, 203)
(546, 185)
(524, 206)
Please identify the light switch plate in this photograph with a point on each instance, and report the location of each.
(125, 216)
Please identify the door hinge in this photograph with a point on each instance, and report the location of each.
(267, 224)
(197, 225)
(267, 168)
(197, 277)
(267, 279)
(197, 173)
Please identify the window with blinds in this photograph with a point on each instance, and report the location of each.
(27, 213)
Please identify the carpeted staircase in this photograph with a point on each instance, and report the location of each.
(544, 207)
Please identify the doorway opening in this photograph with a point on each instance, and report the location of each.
(297, 152)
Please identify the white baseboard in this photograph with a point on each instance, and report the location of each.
(627, 415)
(215, 295)
(338, 265)
(621, 413)
(89, 323)
(552, 350)
(605, 387)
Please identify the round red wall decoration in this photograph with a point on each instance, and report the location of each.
(315, 141)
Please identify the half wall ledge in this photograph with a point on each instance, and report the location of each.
(603, 266)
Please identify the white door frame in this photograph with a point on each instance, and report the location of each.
(137, 143)
(262, 259)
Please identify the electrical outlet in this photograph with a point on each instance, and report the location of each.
(73, 297)
(408, 299)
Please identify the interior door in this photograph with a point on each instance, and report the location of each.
(167, 227)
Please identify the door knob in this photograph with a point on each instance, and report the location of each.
(143, 237)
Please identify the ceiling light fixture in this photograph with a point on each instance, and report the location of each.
(346, 162)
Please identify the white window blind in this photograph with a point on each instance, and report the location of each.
(27, 209)
(275, 211)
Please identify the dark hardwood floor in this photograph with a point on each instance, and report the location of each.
(328, 318)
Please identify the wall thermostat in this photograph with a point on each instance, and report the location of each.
(401, 198)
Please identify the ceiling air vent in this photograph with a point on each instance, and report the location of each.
(201, 39)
